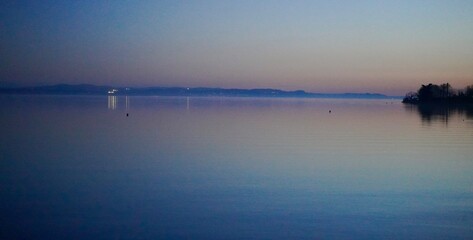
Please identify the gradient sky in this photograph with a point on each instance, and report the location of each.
(389, 47)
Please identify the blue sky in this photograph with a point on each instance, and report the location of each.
(324, 46)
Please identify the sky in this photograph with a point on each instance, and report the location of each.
(389, 47)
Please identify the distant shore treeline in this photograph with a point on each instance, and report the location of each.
(87, 89)
(440, 94)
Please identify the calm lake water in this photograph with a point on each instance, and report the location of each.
(76, 167)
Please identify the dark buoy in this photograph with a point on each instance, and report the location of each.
(127, 114)
(329, 111)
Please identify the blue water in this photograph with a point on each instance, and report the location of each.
(76, 167)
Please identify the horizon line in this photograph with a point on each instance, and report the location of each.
(19, 86)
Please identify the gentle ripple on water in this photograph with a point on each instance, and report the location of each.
(233, 168)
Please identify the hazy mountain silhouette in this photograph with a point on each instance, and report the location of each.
(88, 89)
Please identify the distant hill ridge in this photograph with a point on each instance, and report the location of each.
(89, 89)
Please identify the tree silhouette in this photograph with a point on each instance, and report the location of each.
(443, 93)
(469, 91)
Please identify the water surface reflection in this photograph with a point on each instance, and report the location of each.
(441, 113)
(231, 168)
(112, 102)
